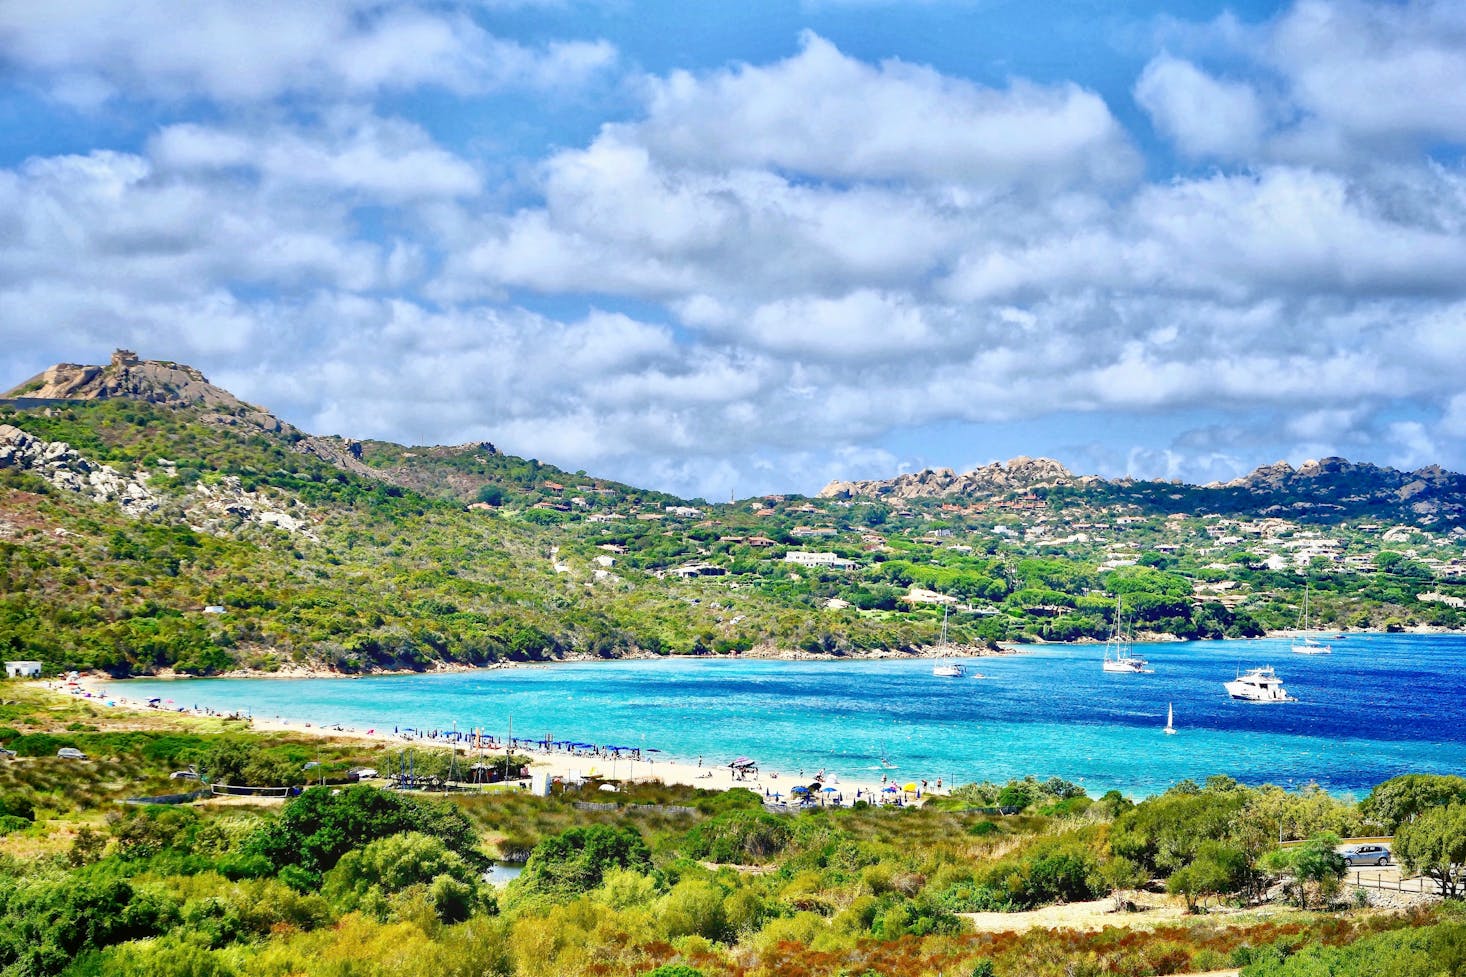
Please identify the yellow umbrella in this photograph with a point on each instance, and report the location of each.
(909, 787)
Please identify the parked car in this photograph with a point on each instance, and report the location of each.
(184, 775)
(70, 753)
(1365, 855)
(7, 754)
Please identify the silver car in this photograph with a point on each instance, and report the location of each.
(1365, 855)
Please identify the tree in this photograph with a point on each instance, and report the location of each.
(1401, 799)
(1121, 875)
(1434, 844)
(1217, 869)
(323, 824)
(368, 877)
(575, 861)
(1315, 866)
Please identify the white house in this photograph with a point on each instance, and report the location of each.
(20, 669)
(807, 559)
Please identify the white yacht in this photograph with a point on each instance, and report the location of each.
(1308, 644)
(1170, 719)
(1259, 685)
(1118, 656)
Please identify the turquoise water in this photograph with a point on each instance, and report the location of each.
(1381, 705)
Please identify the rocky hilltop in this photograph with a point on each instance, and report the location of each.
(1430, 493)
(999, 478)
(170, 384)
(1327, 489)
(153, 381)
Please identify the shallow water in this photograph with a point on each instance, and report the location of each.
(1381, 705)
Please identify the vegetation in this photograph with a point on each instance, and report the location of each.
(356, 880)
(415, 556)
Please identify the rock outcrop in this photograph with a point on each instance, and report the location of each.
(153, 381)
(65, 468)
(220, 507)
(1427, 493)
(1000, 478)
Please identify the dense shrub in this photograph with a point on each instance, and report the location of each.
(324, 823)
(738, 837)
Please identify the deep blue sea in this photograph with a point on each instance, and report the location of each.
(1381, 705)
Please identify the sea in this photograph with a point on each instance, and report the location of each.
(1380, 705)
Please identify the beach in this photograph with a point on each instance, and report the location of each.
(591, 762)
(1362, 714)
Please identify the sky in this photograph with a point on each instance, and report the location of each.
(741, 248)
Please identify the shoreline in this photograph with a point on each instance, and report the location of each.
(773, 785)
(296, 671)
(761, 653)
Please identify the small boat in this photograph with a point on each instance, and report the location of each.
(1118, 656)
(947, 668)
(1308, 644)
(1170, 719)
(1258, 685)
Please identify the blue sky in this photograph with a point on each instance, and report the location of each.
(721, 247)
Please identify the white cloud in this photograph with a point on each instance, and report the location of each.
(1333, 82)
(254, 50)
(824, 114)
(774, 269)
(1202, 115)
(388, 160)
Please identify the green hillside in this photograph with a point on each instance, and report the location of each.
(360, 556)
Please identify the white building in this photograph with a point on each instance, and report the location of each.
(21, 669)
(806, 558)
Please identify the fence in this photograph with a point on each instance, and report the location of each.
(654, 808)
(1421, 885)
(168, 798)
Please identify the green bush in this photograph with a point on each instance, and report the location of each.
(576, 861)
(321, 825)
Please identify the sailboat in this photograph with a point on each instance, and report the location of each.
(948, 668)
(1170, 719)
(1118, 656)
(1309, 645)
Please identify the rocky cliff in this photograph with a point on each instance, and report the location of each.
(153, 381)
(1430, 492)
(1000, 478)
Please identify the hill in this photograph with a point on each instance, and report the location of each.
(150, 521)
(1328, 490)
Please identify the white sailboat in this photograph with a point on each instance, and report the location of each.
(1308, 644)
(1170, 719)
(1118, 656)
(948, 668)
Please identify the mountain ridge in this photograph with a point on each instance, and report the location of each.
(1327, 484)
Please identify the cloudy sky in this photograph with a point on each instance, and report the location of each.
(749, 247)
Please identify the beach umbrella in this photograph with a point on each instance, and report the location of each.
(800, 790)
(830, 790)
(888, 790)
(909, 787)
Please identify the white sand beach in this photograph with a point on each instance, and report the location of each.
(776, 785)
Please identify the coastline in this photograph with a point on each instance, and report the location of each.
(758, 653)
(774, 785)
